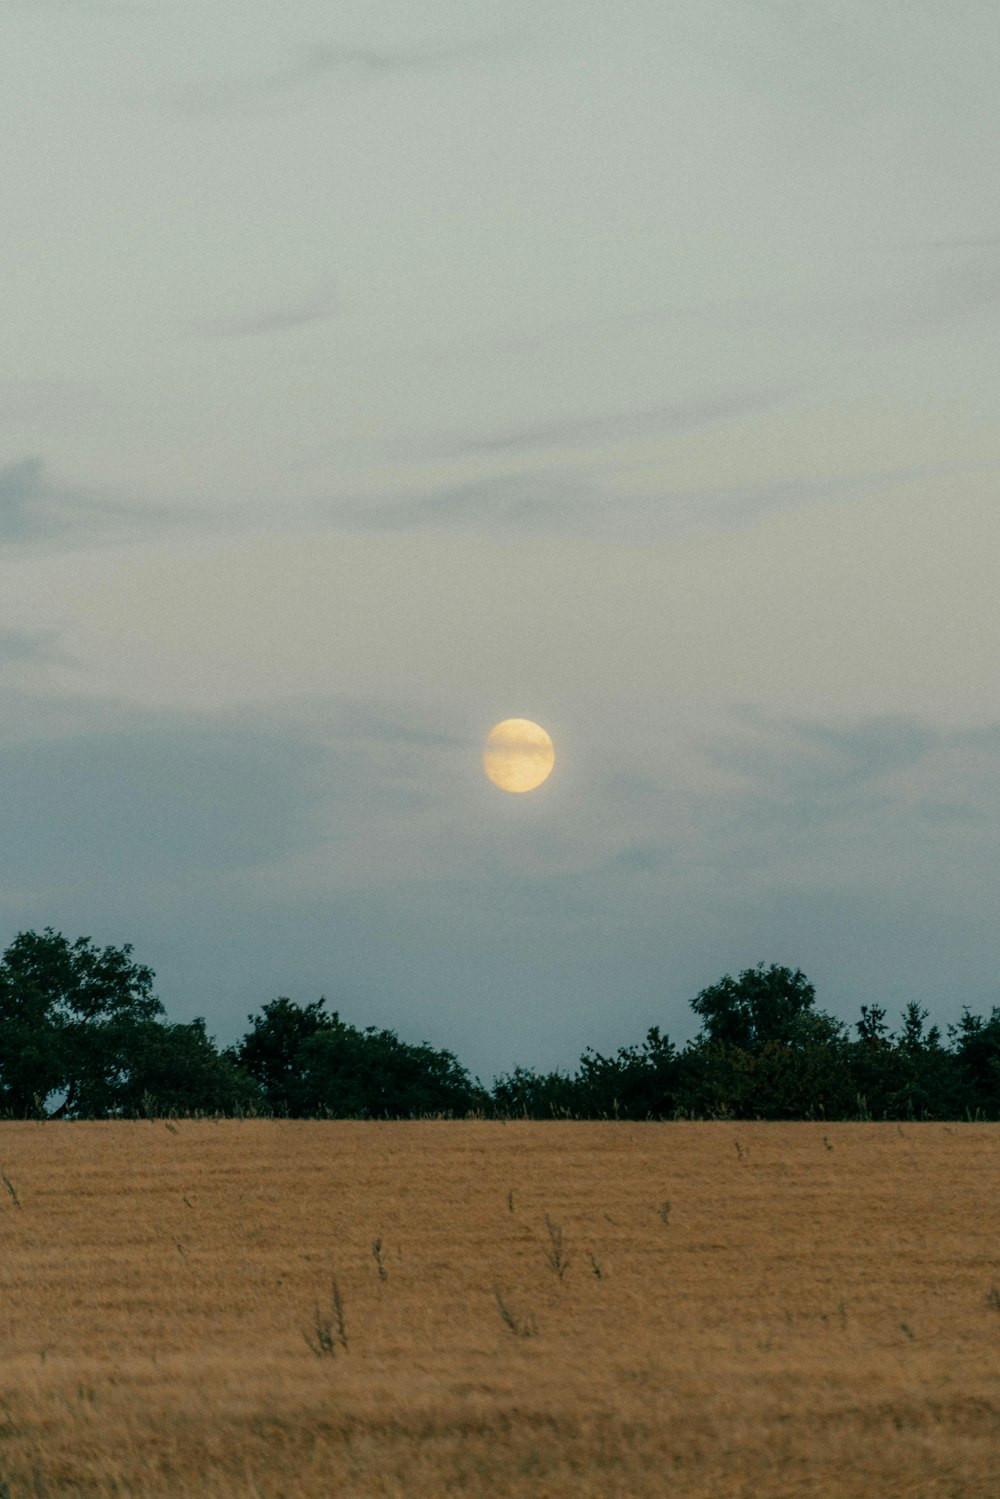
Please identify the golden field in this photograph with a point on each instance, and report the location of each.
(817, 1312)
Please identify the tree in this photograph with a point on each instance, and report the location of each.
(270, 1052)
(313, 1064)
(639, 1082)
(872, 1029)
(66, 1011)
(175, 1069)
(528, 1094)
(977, 1052)
(760, 1006)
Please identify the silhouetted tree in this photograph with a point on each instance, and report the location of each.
(909, 1076)
(526, 1093)
(762, 1005)
(271, 1051)
(65, 1010)
(83, 1022)
(312, 1064)
(176, 1069)
(638, 1082)
(977, 1056)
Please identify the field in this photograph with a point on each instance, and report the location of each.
(556, 1310)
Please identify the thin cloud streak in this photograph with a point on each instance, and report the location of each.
(552, 503)
(678, 416)
(52, 402)
(273, 320)
(38, 510)
(980, 242)
(958, 291)
(36, 646)
(346, 64)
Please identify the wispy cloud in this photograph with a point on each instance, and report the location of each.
(37, 508)
(347, 65)
(802, 758)
(88, 7)
(104, 790)
(277, 319)
(147, 796)
(44, 401)
(959, 290)
(971, 242)
(29, 508)
(564, 502)
(677, 416)
(36, 646)
(880, 780)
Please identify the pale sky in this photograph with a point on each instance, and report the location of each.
(630, 367)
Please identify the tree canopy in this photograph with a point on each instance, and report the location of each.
(83, 1022)
(82, 1035)
(308, 1062)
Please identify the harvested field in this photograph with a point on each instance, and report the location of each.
(555, 1310)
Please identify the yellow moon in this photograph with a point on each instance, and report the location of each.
(519, 755)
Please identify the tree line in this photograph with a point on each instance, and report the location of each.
(83, 1036)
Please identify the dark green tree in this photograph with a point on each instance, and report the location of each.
(928, 1077)
(764, 1051)
(526, 1093)
(311, 1064)
(762, 1005)
(638, 1082)
(66, 1010)
(976, 1044)
(175, 1069)
(906, 1076)
(271, 1051)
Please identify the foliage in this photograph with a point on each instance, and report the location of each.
(977, 1057)
(83, 1022)
(311, 1064)
(66, 1012)
(270, 1052)
(175, 1069)
(766, 1052)
(527, 1094)
(762, 1006)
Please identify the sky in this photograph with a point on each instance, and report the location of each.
(625, 365)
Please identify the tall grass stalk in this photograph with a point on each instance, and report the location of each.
(328, 1327)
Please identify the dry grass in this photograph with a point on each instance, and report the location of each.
(810, 1315)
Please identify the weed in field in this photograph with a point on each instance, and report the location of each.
(664, 1212)
(519, 1329)
(328, 1328)
(510, 1202)
(383, 1273)
(993, 1299)
(555, 1255)
(10, 1188)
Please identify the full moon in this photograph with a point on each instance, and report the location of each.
(519, 755)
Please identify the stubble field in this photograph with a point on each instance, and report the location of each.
(554, 1310)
